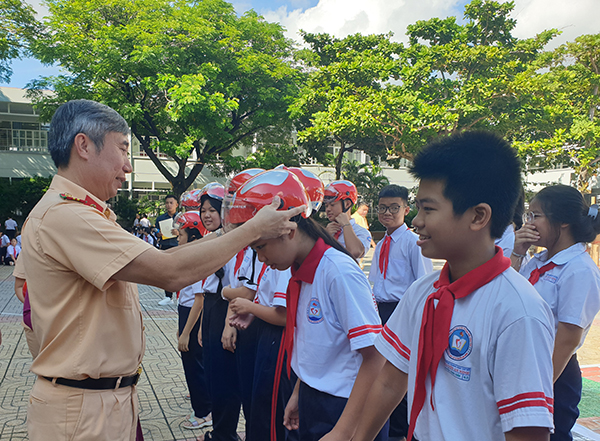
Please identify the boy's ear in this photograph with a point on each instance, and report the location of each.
(482, 217)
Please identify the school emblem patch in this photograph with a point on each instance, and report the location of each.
(314, 312)
(460, 343)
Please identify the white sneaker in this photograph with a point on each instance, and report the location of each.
(166, 301)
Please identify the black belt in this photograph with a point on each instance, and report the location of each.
(97, 383)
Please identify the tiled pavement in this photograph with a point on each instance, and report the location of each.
(162, 387)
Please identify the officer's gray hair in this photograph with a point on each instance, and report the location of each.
(81, 116)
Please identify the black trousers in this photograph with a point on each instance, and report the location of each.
(193, 367)
(319, 412)
(221, 370)
(567, 394)
(399, 417)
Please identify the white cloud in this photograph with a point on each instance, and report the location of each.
(573, 18)
(345, 17)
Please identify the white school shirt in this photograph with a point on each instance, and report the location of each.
(11, 251)
(187, 295)
(406, 264)
(250, 269)
(336, 316)
(507, 241)
(272, 287)
(10, 224)
(362, 233)
(148, 239)
(497, 371)
(572, 289)
(5, 240)
(211, 283)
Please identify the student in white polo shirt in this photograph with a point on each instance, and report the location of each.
(567, 278)
(269, 311)
(471, 344)
(190, 306)
(331, 321)
(340, 197)
(397, 263)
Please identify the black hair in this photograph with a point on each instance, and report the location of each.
(475, 167)
(565, 205)
(81, 116)
(171, 195)
(394, 191)
(316, 231)
(193, 234)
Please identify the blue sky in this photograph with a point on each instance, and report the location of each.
(344, 17)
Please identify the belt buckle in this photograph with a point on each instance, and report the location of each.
(138, 375)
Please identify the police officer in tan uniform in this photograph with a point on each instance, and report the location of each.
(82, 269)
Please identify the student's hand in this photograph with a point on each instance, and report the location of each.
(525, 237)
(270, 223)
(200, 335)
(343, 218)
(241, 322)
(229, 338)
(333, 227)
(183, 343)
(333, 436)
(240, 305)
(291, 419)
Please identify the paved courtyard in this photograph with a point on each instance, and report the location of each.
(162, 388)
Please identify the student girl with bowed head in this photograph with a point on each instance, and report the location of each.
(567, 279)
(331, 318)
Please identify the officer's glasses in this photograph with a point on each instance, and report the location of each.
(392, 209)
(530, 217)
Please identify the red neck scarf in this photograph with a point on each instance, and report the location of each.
(239, 258)
(338, 234)
(304, 273)
(433, 337)
(539, 272)
(384, 255)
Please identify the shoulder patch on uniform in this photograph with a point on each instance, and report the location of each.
(87, 201)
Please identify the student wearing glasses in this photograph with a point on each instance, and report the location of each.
(397, 263)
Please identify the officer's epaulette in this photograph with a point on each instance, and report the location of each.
(87, 201)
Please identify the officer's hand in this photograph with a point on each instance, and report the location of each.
(270, 223)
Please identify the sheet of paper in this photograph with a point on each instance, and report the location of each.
(166, 228)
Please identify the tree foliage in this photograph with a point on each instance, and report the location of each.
(565, 125)
(368, 178)
(19, 196)
(334, 105)
(193, 79)
(17, 25)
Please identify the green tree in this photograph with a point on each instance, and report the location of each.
(368, 178)
(564, 126)
(334, 106)
(457, 77)
(19, 196)
(193, 79)
(17, 24)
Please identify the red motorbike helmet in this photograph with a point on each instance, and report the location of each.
(260, 191)
(340, 190)
(313, 184)
(189, 219)
(190, 200)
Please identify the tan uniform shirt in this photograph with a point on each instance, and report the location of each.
(361, 221)
(87, 324)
